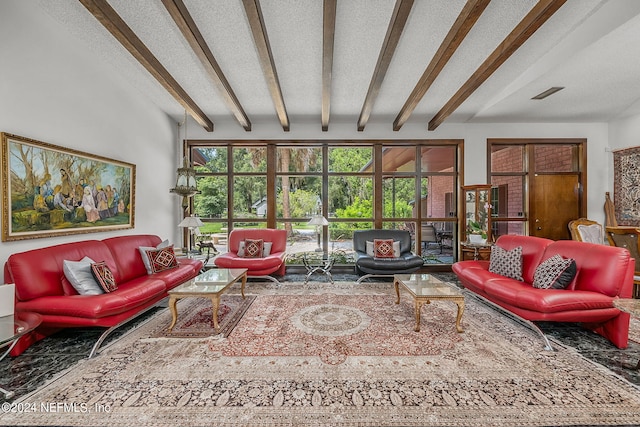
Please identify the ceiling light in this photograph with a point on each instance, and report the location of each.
(547, 92)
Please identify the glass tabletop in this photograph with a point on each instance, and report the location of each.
(426, 285)
(14, 326)
(211, 281)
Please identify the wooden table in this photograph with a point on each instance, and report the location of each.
(631, 306)
(210, 284)
(424, 288)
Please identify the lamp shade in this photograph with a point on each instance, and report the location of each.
(318, 220)
(191, 222)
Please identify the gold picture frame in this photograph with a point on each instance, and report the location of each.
(48, 191)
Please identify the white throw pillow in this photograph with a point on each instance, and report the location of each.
(145, 258)
(79, 274)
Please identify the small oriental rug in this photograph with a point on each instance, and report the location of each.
(195, 317)
(340, 355)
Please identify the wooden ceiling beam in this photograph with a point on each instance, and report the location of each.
(539, 14)
(192, 34)
(110, 19)
(464, 22)
(261, 39)
(397, 23)
(328, 34)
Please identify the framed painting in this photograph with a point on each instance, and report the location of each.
(50, 191)
(626, 174)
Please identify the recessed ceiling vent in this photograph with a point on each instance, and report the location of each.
(547, 92)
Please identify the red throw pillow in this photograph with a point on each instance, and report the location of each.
(253, 248)
(162, 259)
(383, 248)
(104, 276)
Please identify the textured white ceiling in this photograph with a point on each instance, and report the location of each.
(592, 47)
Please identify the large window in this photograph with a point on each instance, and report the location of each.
(354, 185)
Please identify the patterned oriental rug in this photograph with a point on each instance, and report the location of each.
(335, 355)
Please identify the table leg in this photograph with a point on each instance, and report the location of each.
(460, 304)
(174, 311)
(244, 282)
(418, 305)
(215, 301)
(395, 283)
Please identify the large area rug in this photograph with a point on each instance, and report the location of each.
(337, 355)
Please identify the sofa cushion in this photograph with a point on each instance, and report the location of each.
(103, 276)
(253, 248)
(555, 272)
(80, 275)
(145, 258)
(266, 249)
(383, 248)
(506, 263)
(128, 261)
(396, 249)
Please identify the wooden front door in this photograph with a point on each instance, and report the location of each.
(555, 200)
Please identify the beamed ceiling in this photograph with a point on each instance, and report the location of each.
(387, 62)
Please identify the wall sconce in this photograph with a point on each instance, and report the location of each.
(319, 221)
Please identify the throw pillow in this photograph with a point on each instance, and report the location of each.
(383, 248)
(78, 273)
(253, 248)
(162, 259)
(143, 253)
(554, 273)
(506, 263)
(104, 277)
(396, 249)
(266, 250)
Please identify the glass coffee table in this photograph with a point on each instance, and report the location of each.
(11, 329)
(210, 284)
(424, 288)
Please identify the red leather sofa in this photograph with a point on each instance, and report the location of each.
(263, 267)
(41, 286)
(604, 273)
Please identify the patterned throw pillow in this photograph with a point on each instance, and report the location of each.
(506, 263)
(162, 259)
(265, 252)
(554, 273)
(103, 276)
(253, 248)
(383, 248)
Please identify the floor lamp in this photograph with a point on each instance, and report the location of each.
(319, 221)
(192, 223)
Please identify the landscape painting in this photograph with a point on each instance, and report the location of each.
(49, 190)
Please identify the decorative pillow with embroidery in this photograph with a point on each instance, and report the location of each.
(143, 253)
(266, 251)
(554, 273)
(396, 249)
(383, 248)
(253, 248)
(103, 276)
(162, 259)
(506, 263)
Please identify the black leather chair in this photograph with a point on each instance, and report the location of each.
(368, 266)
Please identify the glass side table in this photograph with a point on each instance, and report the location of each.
(318, 262)
(11, 329)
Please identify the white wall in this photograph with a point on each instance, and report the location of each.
(50, 93)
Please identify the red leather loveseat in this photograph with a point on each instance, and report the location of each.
(41, 286)
(604, 273)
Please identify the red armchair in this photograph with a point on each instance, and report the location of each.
(256, 267)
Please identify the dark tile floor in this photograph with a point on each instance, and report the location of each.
(45, 359)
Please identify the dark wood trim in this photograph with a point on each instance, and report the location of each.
(110, 19)
(459, 30)
(539, 14)
(397, 23)
(328, 34)
(191, 33)
(261, 39)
